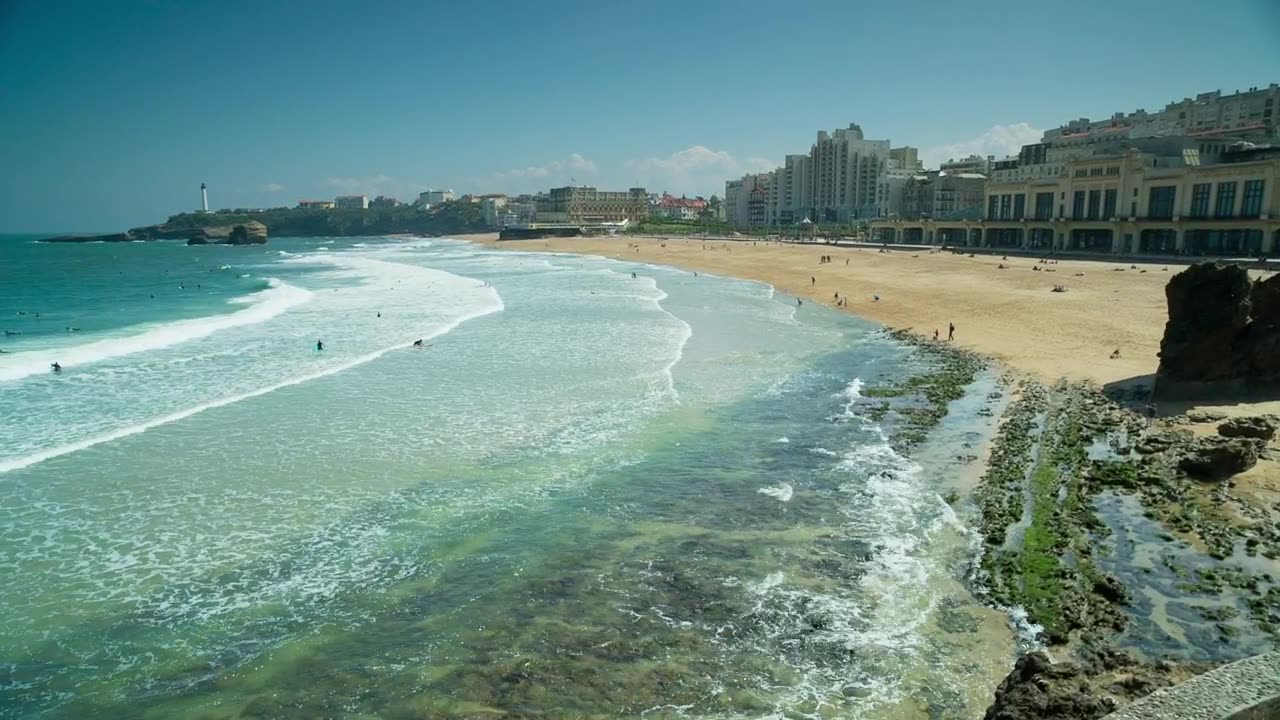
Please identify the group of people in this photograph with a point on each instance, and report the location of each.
(951, 332)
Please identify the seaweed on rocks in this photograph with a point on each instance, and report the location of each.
(923, 398)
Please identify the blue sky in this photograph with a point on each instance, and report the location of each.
(113, 113)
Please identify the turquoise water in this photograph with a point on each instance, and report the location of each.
(589, 494)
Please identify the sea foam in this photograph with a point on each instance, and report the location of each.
(261, 306)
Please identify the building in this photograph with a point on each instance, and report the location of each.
(972, 164)
(846, 171)
(791, 191)
(495, 210)
(677, 208)
(747, 200)
(906, 158)
(351, 202)
(316, 204)
(434, 197)
(1249, 115)
(582, 204)
(382, 201)
(1154, 196)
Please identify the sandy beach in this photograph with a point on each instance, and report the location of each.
(1009, 314)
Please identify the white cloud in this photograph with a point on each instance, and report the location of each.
(696, 170)
(273, 188)
(556, 168)
(373, 186)
(1000, 141)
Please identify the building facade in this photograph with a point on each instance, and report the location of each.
(351, 202)
(1248, 115)
(435, 197)
(316, 204)
(1145, 200)
(748, 200)
(846, 171)
(582, 204)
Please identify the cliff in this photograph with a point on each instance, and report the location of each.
(1223, 333)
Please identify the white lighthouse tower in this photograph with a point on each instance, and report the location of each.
(204, 198)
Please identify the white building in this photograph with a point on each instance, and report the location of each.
(1249, 115)
(434, 197)
(846, 173)
(747, 200)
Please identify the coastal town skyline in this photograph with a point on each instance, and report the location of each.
(322, 128)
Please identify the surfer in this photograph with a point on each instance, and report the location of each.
(417, 343)
(56, 367)
(319, 345)
(633, 276)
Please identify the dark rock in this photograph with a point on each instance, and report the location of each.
(1037, 688)
(1222, 329)
(1112, 590)
(1217, 458)
(1262, 427)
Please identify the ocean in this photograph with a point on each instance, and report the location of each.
(587, 494)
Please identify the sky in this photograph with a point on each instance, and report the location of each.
(113, 113)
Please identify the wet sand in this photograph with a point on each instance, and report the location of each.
(1009, 314)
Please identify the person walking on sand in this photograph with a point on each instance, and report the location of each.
(951, 332)
(812, 281)
(935, 334)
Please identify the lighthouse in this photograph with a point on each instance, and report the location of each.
(204, 198)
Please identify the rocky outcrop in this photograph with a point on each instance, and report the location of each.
(250, 233)
(1218, 458)
(1261, 427)
(1038, 688)
(1223, 332)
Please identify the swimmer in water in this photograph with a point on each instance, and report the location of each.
(319, 345)
(56, 367)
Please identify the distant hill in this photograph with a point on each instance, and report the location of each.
(450, 218)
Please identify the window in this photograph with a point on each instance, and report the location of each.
(992, 201)
(1019, 206)
(1081, 172)
(1006, 206)
(1095, 204)
(1160, 202)
(1113, 170)
(1044, 206)
(1109, 203)
(1200, 200)
(1094, 172)
(1226, 200)
(1077, 205)
(1251, 205)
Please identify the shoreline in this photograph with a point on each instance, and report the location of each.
(1067, 457)
(1009, 313)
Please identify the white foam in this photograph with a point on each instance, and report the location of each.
(783, 440)
(10, 464)
(782, 492)
(262, 306)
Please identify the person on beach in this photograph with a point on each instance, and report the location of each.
(951, 331)
(319, 346)
(633, 276)
(799, 302)
(812, 281)
(935, 334)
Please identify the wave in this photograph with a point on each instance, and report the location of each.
(42, 455)
(263, 305)
(781, 492)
